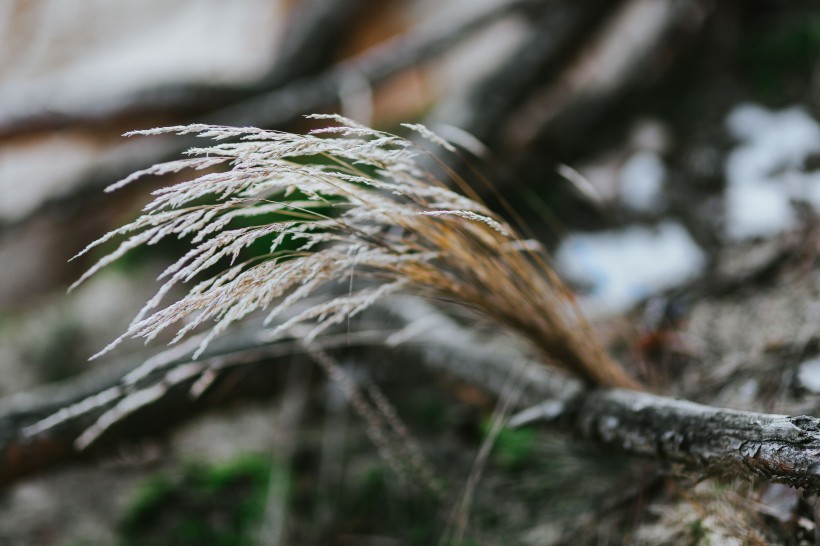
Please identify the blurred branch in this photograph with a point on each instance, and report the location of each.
(631, 51)
(574, 72)
(119, 404)
(551, 43)
(373, 67)
(313, 29)
(42, 430)
(74, 407)
(303, 96)
(91, 415)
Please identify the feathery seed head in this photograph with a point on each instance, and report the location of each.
(340, 202)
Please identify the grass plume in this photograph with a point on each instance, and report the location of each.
(346, 201)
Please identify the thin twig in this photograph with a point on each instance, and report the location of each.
(508, 399)
(273, 530)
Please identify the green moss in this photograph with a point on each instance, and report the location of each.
(149, 495)
(515, 447)
(776, 62)
(372, 506)
(370, 491)
(171, 248)
(429, 411)
(61, 354)
(697, 531)
(203, 505)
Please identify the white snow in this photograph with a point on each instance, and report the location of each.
(67, 56)
(763, 173)
(31, 171)
(641, 182)
(757, 210)
(622, 267)
(809, 374)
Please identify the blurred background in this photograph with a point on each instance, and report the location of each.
(667, 152)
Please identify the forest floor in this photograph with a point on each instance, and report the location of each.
(696, 258)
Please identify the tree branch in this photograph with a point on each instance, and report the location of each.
(682, 434)
(111, 407)
(73, 408)
(562, 112)
(286, 104)
(372, 67)
(119, 404)
(555, 36)
(313, 28)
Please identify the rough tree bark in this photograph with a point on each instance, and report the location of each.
(683, 434)
(42, 431)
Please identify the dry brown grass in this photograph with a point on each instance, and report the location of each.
(352, 204)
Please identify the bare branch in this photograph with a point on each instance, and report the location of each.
(42, 429)
(686, 435)
(681, 434)
(556, 35)
(374, 66)
(314, 27)
(288, 103)
(563, 111)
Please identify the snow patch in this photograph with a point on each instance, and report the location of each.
(641, 182)
(763, 174)
(622, 267)
(809, 374)
(80, 54)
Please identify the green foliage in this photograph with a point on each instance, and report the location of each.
(774, 62)
(262, 246)
(172, 247)
(429, 411)
(697, 531)
(203, 505)
(61, 354)
(515, 447)
(373, 505)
